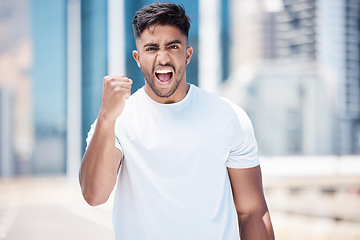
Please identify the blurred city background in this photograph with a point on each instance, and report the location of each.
(293, 65)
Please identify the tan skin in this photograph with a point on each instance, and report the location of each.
(162, 48)
(159, 46)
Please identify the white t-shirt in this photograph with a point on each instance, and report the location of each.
(173, 182)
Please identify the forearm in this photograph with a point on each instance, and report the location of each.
(99, 167)
(256, 226)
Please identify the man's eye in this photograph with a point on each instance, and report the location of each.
(151, 49)
(173, 47)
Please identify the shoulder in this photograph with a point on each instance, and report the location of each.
(212, 100)
(222, 105)
(240, 113)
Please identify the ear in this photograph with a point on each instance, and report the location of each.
(136, 56)
(189, 53)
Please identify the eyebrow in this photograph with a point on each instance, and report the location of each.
(167, 44)
(173, 42)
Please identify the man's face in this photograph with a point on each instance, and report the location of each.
(162, 54)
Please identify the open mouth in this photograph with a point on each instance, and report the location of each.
(164, 75)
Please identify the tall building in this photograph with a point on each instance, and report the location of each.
(49, 37)
(321, 36)
(296, 30)
(351, 91)
(16, 131)
(327, 33)
(7, 163)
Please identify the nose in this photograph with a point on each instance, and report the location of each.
(163, 57)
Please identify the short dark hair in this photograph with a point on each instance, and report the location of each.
(162, 14)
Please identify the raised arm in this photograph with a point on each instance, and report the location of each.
(253, 215)
(101, 161)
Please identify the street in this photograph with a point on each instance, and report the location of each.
(42, 208)
(301, 208)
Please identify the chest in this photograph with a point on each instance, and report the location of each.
(177, 139)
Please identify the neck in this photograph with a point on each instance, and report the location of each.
(177, 96)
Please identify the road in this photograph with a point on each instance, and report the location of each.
(50, 208)
(301, 208)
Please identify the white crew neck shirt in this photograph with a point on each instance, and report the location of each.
(173, 182)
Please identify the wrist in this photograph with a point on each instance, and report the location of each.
(106, 120)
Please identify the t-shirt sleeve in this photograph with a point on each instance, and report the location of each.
(243, 153)
(91, 133)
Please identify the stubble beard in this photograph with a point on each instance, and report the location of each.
(150, 79)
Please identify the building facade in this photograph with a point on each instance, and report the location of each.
(327, 33)
(321, 36)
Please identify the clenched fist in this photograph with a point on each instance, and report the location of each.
(116, 89)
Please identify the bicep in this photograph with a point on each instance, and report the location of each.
(247, 189)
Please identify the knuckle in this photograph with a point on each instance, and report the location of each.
(117, 89)
(112, 84)
(121, 80)
(107, 80)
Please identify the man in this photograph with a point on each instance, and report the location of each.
(184, 160)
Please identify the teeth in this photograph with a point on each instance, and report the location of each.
(163, 71)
